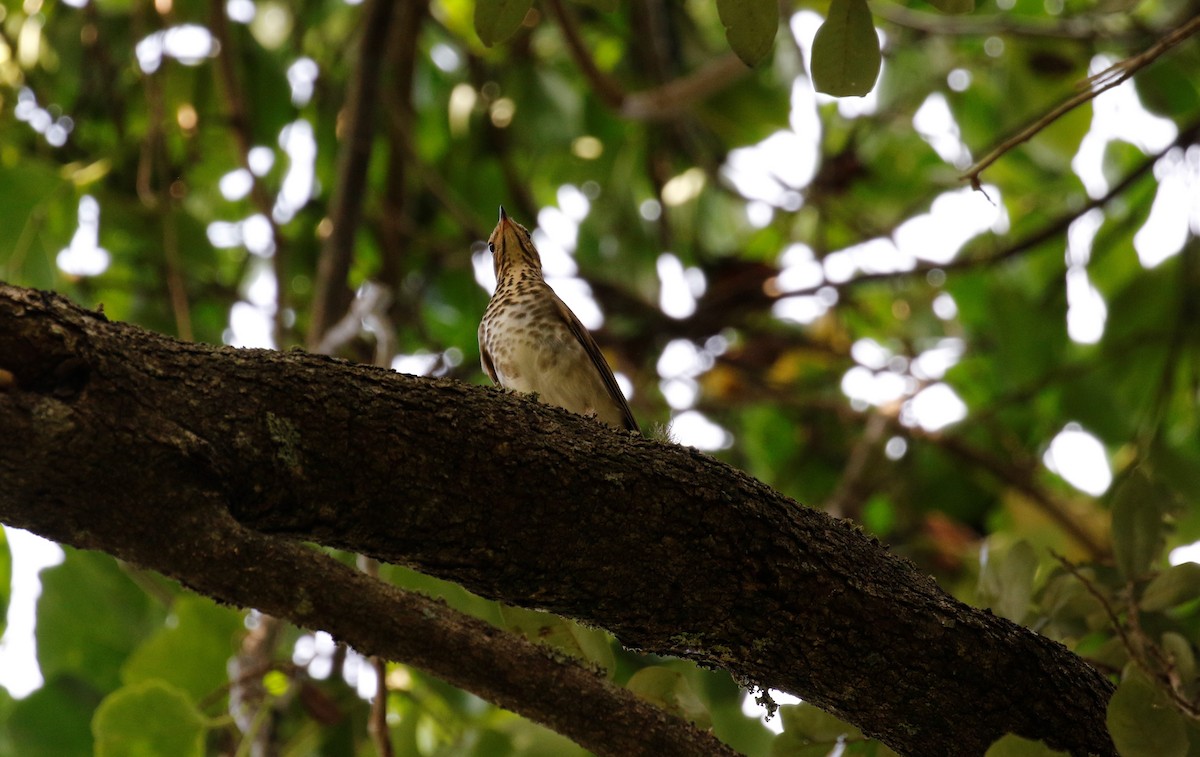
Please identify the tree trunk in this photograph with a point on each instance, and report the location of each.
(195, 461)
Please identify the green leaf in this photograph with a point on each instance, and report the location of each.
(497, 20)
(845, 54)
(90, 585)
(1137, 525)
(670, 690)
(790, 745)
(1013, 745)
(1143, 723)
(750, 27)
(815, 724)
(5, 578)
(576, 640)
(1174, 586)
(149, 719)
(1006, 581)
(1169, 88)
(53, 720)
(192, 653)
(1183, 659)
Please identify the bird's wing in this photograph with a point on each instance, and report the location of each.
(485, 359)
(593, 351)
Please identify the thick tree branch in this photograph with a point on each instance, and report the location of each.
(192, 460)
(145, 486)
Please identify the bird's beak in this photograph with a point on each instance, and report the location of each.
(503, 215)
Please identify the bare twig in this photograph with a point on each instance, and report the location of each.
(1141, 648)
(1096, 85)
(605, 88)
(1052, 229)
(396, 227)
(669, 99)
(1081, 28)
(1113, 619)
(378, 725)
(854, 485)
(369, 306)
(331, 296)
(662, 102)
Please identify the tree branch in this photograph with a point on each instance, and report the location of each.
(195, 460)
(331, 293)
(154, 504)
(1079, 27)
(1057, 226)
(659, 103)
(1096, 85)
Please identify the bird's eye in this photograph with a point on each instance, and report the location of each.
(492, 247)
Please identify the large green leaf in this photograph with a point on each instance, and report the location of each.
(1137, 524)
(148, 719)
(1175, 585)
(750, 27)
(1013, 745)
(192, 652)
(89, 618)
(497, 20)
(815, 724)
(1143, 722)
(53, 721)
(845, 53)
(670, 690)
(1006, 581)
(5, 579)
(586, 643)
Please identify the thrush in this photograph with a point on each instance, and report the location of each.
(530, 341)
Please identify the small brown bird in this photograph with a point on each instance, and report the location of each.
(530, 341)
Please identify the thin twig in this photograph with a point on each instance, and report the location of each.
(1096, 85)
(854, 485)
(1136, 644)
(609, 92)
(397, 229)
(1052, 229)
(662, 102)
(670, 98)
(377, 726)
(1081, 28)
(1113, 619)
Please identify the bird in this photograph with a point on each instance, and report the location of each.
(530, 341)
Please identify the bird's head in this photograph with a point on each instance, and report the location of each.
(512, 248)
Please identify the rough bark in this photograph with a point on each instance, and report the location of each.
(196, 460)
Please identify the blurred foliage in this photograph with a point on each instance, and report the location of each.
(98, 101)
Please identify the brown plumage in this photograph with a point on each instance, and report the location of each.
(530, 341)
